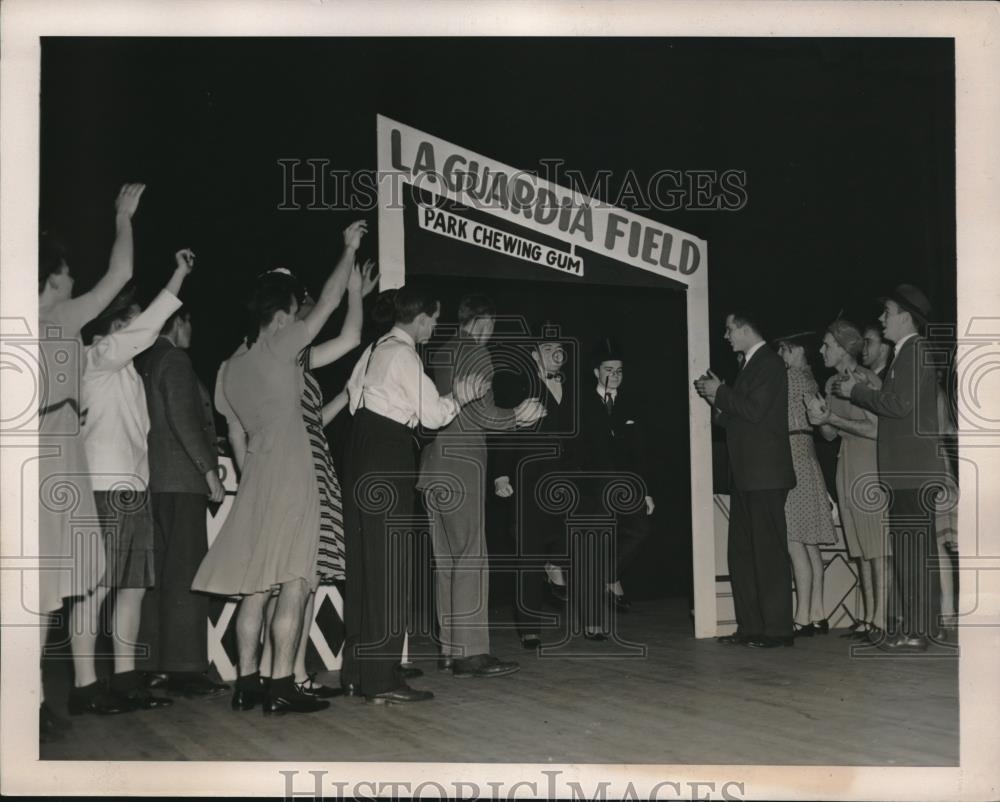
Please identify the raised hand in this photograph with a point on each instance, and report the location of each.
(354, 280)
(707, 385)
(369, 277)
(185, 259)
(354, 233)
(529, 412)
(128, 199)
(844, 383)
(469, 388)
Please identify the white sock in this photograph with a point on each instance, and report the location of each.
(616, 588)
(555, 574)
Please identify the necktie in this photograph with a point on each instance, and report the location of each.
(609, 403)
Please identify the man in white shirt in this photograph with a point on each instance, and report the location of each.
(389, 395)
(115, 431)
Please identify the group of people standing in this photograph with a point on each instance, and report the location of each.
(893, 481)
(138, 443)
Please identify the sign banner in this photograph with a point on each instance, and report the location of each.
(525, 199)
(464, 230)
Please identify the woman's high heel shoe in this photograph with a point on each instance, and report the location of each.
(803, 630)
(821, 627)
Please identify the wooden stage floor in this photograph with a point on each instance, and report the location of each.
(687, 701)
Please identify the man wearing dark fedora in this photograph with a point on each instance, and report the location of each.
(909, 464)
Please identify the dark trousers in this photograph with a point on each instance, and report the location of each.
(912, 539)
(379, 478)
(759, 566)
(541, 539)
(174, 623)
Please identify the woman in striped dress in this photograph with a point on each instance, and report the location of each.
(330, 559)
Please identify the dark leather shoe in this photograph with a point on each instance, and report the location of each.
(803, 630)
(402, 695)
(531, 641)
(904, 645)
(100, 703)
(142, 699)
(408, 671)
(276, 704)
(821, 627)
(155, 679)
(736, 639)
(445, 663)
(621, 603)
(598, 636)
(483, 665)
(557, 592)
(768, 642)
(312, 688)
(195, 685)
(247, 698)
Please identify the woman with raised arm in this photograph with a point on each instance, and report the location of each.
(270, 539)
(71, 567)
(330, 560)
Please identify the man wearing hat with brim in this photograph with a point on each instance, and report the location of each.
(908, 463)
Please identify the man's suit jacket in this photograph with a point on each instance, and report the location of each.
(459, 449)
(908, 430)
(182, 425)
(552, 435)
(754, 412)
(610, 442)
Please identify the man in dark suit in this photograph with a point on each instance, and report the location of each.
(540, 529)
(453, 471)
(754, 412)
(610, 448)
(909, 464)
(183, 478)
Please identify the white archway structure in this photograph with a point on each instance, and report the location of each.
(409, 156)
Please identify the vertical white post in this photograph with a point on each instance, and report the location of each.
(391, 189)
(702, 519)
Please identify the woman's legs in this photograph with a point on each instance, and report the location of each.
(266, 652)
(85, 625)
(287, 626)
(300, 652)
(802, 571)
(816, 611)
(249, 620)
(947, 582)
(125, 627)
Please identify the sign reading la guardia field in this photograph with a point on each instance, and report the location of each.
(526, 200)
(468, 231)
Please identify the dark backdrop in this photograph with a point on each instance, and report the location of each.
(847, 146)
